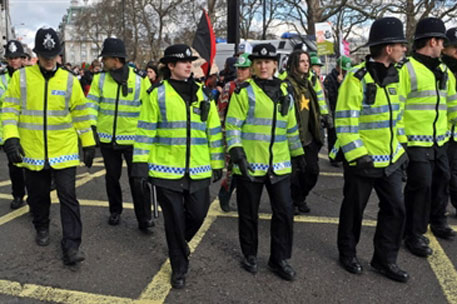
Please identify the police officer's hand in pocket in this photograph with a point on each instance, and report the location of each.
(13, 150)
(88, 156)
(217, 175)
(364, 162)
(298, 163)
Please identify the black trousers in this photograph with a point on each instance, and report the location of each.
(17, 180)
(39, 199)
(281, 229)
(183, 214)
(141, 195)
(391, 215)
(426, 193)
(303, 182)
(452, 156)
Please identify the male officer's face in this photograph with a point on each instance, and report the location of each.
(303, 64)
(397, 51)
(451, 51)
(180, 70)
(264, 68)
(47, 63)
(15, 62)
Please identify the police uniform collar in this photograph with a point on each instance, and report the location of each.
(451, 62)
(429, 62)
(381, 74)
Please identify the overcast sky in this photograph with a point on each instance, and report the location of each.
(28, 16)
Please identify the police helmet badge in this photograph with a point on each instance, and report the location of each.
(263, 51)
(48, 42)
(188, 53)
(242, 60)
(12, 47)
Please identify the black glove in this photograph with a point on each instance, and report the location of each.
(327, 121)
(13, 150)
(140, 175)
(217, 175)
(364, 162)
(96, 138)
(88, 156)
(239, 157)
(204, 110)
(299, 163)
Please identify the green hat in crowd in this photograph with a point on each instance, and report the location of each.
(316, 61)
(243, 61)
(344, 62)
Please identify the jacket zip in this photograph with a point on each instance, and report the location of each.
(113, 140)
(188, 134)
(273, 129)
(391, 124)
(45, 123)
(437, 112)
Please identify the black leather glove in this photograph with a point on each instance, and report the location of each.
(13, 150)
(88, 156)
(327, 121)
(364, 162)
(217, 175)
(239, 157)
(140, 175)
(96, 138)
(299, 163)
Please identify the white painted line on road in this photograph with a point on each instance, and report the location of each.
(5, 183)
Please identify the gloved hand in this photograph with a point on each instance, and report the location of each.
(364, 162)
(299, 163)
(13, 150)
(239, 157)
(140, 175)
(88, 156)
(217, 175)
(96, 138)
(327, 121)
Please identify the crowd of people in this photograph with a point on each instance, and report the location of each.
(389, 120)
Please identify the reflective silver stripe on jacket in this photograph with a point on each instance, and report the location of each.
(101, 83)
(441, 107)
(161, 99)
(39, 127)
(137, 86)
(23, 85)
(69, 91)
(412, 76)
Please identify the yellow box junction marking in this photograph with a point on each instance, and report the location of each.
(158, 290)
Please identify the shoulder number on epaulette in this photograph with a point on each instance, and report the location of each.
(152, 87)
(402, 62)
(140, 72)
(360, 73)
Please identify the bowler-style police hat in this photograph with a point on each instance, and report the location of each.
(387, 30)
(264, 51)
(47, 43)
(113, 47)
(451, 35)
(429, 28)
(14, 49)
(177, 52)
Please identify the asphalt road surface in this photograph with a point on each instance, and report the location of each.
(125, 266)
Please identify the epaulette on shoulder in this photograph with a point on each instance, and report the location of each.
(207, 91)
(360, 73)
(241, 86)
(140, 72)
(288, 86)
(152, 87)
(402, 62)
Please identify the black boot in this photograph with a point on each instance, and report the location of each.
(73, 256)
(42, 237)
(282, 269)
(17, 203)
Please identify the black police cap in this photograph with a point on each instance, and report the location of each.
(430, 27)
(14, 49)
(47, 43)
(177, 52)
(386, 30)
(451, 35)
(113, 47)
(264, 51)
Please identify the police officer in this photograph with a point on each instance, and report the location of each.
(368, 123)
(309, 127)
(15, 56)
(449, 57)
(44, 115)
(430, 103)
(178, 147)
(262, 137)
(115, 94)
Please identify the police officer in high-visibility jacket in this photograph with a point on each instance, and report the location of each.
(43, 115)
(178, 147)
(430, 104)
(263, 142)
(115, 95)
(15, 56)
(368, 126)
